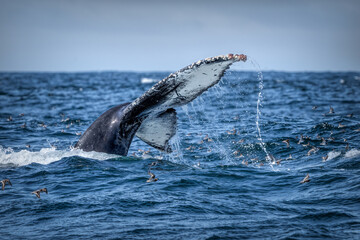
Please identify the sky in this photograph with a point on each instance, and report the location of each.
(105, 35)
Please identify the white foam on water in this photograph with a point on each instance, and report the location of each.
(352, 153)
(45, 156)
(149, 80)
(332, 155)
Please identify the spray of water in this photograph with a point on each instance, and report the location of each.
(176, 155)
(217, 146)
(269, 156)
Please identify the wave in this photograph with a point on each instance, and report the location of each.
(45, 156)
(149, 80)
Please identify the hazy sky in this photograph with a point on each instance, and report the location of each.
(75, 35)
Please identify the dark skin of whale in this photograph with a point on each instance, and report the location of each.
(103, 134)
(152, 116)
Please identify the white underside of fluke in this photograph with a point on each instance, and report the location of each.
(157, 130)
(193, 82)
(178, 89)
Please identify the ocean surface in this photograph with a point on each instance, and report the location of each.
(230, 176)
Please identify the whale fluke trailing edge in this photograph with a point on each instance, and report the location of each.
(152, 117)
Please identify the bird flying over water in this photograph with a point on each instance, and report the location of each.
(306, 179)
(312, 150)
(287, 141)
(37, 192)
(301, 140)
(4, 182)
(152, 177)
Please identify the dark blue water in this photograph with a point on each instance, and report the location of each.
(216, 184)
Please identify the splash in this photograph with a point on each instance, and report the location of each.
(269, 156)
(45, 156)
(333, 154)
(145, 80)
(176, 156)
(352, 153)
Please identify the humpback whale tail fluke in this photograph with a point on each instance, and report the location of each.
(152, 116)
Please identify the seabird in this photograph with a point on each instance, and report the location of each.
(153, 164)
(152, 177)
(312, 150)
(301, 140)
(331, 139)
(236, 152)
(341, 125)
(10, 119)
(3, 182)
(306, 179)
(287, 141)
(189, 148)
(65, 120)
(325, 158)
(314, 107)
(331, 110)
(232, 132)
(37, 192)
(323, 142)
